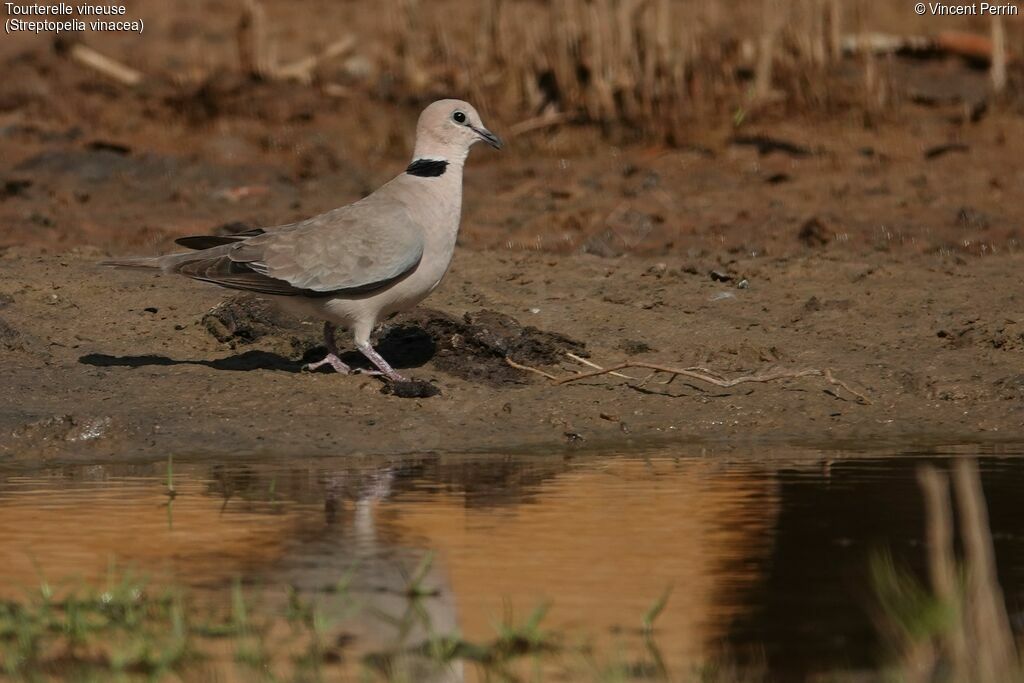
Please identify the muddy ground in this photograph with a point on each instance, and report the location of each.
(111, 362)
(884, 245)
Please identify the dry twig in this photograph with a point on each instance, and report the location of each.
(699, 374)
(527, 368)
(584, 361)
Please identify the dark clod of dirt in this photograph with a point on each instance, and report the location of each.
(105, 146)
(814, 233)
(240, 320)
(14, 187)
(767, 145)
(778, 178)
(410, 388)
(634, 347)
(245, 319)
(475, 347)
(942, 150)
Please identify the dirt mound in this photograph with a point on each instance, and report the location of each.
(245, 319)
(1003, 335)
(474, 348)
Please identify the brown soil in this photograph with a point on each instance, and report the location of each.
(884, 245)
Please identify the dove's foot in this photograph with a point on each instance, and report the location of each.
(382, 365)
(331, 360)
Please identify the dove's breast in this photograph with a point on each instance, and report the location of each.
(436, 205)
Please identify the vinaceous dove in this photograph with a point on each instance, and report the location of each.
(358, 264)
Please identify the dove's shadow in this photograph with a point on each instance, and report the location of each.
(250, 360)
(403, 347)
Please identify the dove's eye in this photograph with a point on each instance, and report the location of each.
(459, 117)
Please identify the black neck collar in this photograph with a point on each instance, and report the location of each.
(427, 168)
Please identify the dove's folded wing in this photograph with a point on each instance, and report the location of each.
(356, 249)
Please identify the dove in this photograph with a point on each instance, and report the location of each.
(359, 264)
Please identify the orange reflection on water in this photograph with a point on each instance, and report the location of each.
(603, 543)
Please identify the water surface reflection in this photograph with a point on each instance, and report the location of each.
(766, 554)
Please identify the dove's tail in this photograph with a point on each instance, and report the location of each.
(143, 263)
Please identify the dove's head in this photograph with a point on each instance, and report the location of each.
(447, 129)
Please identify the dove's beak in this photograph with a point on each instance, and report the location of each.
(488, 137)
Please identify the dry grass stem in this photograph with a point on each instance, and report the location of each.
(993, 648)
(541, 122)
(973, 639)
(998, 68)
(111, 68)
(253, 52)
(303, 69)
(942, 564)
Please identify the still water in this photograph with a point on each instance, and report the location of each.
(766, 552)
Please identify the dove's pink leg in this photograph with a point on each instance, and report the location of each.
(376, 359)
(332, 358)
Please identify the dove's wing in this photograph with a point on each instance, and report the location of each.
(356, 249)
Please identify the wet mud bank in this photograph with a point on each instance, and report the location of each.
(109, 364)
